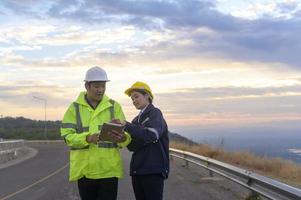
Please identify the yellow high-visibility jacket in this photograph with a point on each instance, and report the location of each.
(93, 161)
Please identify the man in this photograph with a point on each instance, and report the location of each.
(95, 164)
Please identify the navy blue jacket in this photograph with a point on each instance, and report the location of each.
(150, 143)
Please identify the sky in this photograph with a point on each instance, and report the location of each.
(211, 64)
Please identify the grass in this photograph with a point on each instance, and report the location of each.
(277, 168)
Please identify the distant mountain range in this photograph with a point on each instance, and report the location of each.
(179, 138)
(23, 128)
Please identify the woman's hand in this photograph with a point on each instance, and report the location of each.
(117, 137)
(118, 121)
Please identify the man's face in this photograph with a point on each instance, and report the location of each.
(95, 90)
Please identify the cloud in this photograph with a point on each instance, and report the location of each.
(8, 58)
(264, 39)
(242, 92)
(297, 14)
(269, 39)
(32, 8)
(75, 59)
(24, 97)
(86, 37)
(5, 50)
(188, 13)
(270, 9)
(151, 57)
(288, 6)
(18, 100)
(274, 41)
(255, 10)
(173, 14)
(25, 34)
(234, 100)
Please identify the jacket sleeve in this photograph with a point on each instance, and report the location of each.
(150, 132)
(135, 145)
(119, 115)
(68, 130)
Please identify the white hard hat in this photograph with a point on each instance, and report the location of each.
(96, 74)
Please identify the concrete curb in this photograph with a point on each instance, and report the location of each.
(14, 156)
(18, 156)
(44, 142)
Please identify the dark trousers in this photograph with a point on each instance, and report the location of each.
(98, 189)
(148, 187)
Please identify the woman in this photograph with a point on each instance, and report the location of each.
(150, 160)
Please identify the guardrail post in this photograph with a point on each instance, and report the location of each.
(253, 195)
(210, 171)
(186, 161)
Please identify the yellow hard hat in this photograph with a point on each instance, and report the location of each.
(139, 86)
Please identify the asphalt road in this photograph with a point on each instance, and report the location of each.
(45, 176)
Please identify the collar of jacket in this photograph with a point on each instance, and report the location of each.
(146, 111)
(104, 104)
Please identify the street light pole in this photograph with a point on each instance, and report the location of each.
(45, 108)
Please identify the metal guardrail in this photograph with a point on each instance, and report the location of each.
(11, 144)
(261, 185)
(10, 149)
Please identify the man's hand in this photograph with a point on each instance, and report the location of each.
(92, 138)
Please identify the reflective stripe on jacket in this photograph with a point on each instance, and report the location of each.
(93, 161)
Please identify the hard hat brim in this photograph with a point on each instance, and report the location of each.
(128, 91)
(139, 86)
(97, 80)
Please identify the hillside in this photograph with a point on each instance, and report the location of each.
(174, 137)
(23, 128)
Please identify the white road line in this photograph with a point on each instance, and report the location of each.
(35, 183)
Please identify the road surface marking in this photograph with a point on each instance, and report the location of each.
(35, 183)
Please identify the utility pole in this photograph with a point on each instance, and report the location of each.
(45, 108)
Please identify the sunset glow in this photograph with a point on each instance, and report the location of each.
(207, 62)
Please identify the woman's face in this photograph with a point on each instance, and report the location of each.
(139, 100)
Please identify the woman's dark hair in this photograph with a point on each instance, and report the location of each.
(144, 93)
